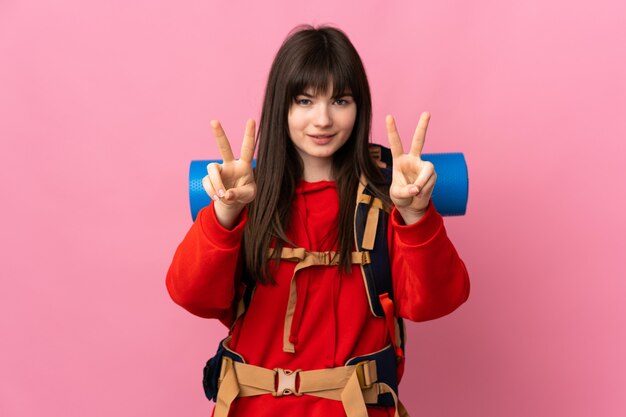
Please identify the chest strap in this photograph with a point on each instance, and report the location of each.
(353, 385)
(305, 259)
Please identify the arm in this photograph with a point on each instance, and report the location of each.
(204, 275)
(429, 278)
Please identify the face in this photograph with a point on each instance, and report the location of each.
(319, 125)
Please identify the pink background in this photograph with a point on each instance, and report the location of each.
(103, 105)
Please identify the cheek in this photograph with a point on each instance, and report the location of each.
(291, 127)
(349, 120)
(295, 121)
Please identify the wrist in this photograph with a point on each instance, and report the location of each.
(227, 214)
(411, 215)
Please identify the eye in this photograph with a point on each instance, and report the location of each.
(344, 101)
(303, 101)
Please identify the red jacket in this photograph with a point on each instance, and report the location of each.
(332, 322)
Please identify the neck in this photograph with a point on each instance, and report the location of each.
(317, 170)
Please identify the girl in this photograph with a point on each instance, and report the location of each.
(317, 231)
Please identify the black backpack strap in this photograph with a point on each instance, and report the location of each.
(377, 274)
(371, 223)
(372, 216)
(381, 155)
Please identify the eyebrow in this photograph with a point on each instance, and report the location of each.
(346, 94)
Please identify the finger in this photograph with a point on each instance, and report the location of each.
(404, 191)
(247, 146)
(215, 176)
(394, 138)
(430, 185)
(206, 184)
(427, 172)
(244, 194)
(222, 141)
(427, 189)
(419, 137)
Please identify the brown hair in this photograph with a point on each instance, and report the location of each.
(309, 58)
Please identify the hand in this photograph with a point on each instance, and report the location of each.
(231, 184)
(413, 179)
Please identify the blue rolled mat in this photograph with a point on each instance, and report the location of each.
(449, 196)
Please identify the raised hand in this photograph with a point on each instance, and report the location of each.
(231, 184)
(413, 179)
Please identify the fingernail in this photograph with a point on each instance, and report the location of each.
(220, 192)
(215, 197)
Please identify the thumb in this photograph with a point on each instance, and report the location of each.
(404, 191)
(244, 194)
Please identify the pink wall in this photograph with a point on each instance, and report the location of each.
(103, 104)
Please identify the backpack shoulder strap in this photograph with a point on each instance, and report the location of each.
(370, 227)
(371, 224)
(381, 155)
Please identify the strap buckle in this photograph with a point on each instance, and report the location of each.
(286, 382)
(227, 364)
(324, 258)
(365, 258)
(366, 380)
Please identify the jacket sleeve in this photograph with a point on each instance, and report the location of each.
(204, 275)
(429, 278)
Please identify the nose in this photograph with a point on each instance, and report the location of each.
(322, 117)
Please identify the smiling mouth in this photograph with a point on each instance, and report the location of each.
(321, 139)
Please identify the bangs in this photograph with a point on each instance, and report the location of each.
(323, 73)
